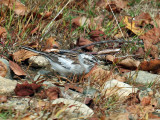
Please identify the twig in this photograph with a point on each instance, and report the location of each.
(108, 41)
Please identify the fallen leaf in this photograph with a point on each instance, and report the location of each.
(140, 52)
(132, 99)
(151, 38)
(82, 41)
(51, 43)
(3, 69)
(93, 24)
(129, 63)
(3, 98)
(71, 86)
(97, 35)
(131, 25)
(110, 58)
(16, 6)
(22, 55)
(53, 93)
(152, 65)
(116, 6)
(80, 21)
(142, 19)
(146, 100)
(3, 32)
(16, 68)
(26, 89)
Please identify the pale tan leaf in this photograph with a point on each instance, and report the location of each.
(16, 68)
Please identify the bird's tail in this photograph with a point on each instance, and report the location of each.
(33, 50)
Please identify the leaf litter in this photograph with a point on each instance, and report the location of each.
(93, 29)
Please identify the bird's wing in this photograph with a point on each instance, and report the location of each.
(66, 63)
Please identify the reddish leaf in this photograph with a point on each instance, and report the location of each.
(146, 101)
(3, 32)
(151, 38)
(15, 5)
(82, 41)
(152, 65)
(132, 99)
(26, 89)
(97, 35)
(3, 98)
(16, 68)
(53, 93)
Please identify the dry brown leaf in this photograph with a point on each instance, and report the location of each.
(3, 69)
(99, 73)
(146, 101)
(129, 63)
(142, 19)
(140, 52)
(152, 65)
(82, 41)
(97, 35)
(80, 21)
(3, 98)
(93, 24)
(16, 6)
(131, 25)
(139, 110)
(116, 5)
(110, 58)
(71, 86)
(151, 38)
(22, 55)
(53, 93)
(3, 32)
(16, 68)
(51, 43)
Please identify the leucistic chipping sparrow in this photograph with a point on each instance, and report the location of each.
(68, 64)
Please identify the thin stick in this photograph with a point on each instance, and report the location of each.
(108, 41)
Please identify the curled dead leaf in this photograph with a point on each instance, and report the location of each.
(51, 43)
(15, 5)
(129, 63)
(3, 69)
(26, 89)
(116, 6)
(22, 55)
(97, 35)
(3, 32)
(16, 68)
(82, 41)
(80, 21)
(152, 65)
(151, 38)
(53, 93)
(3, 98)
(71, 86)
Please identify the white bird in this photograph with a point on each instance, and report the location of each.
(68, 64)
